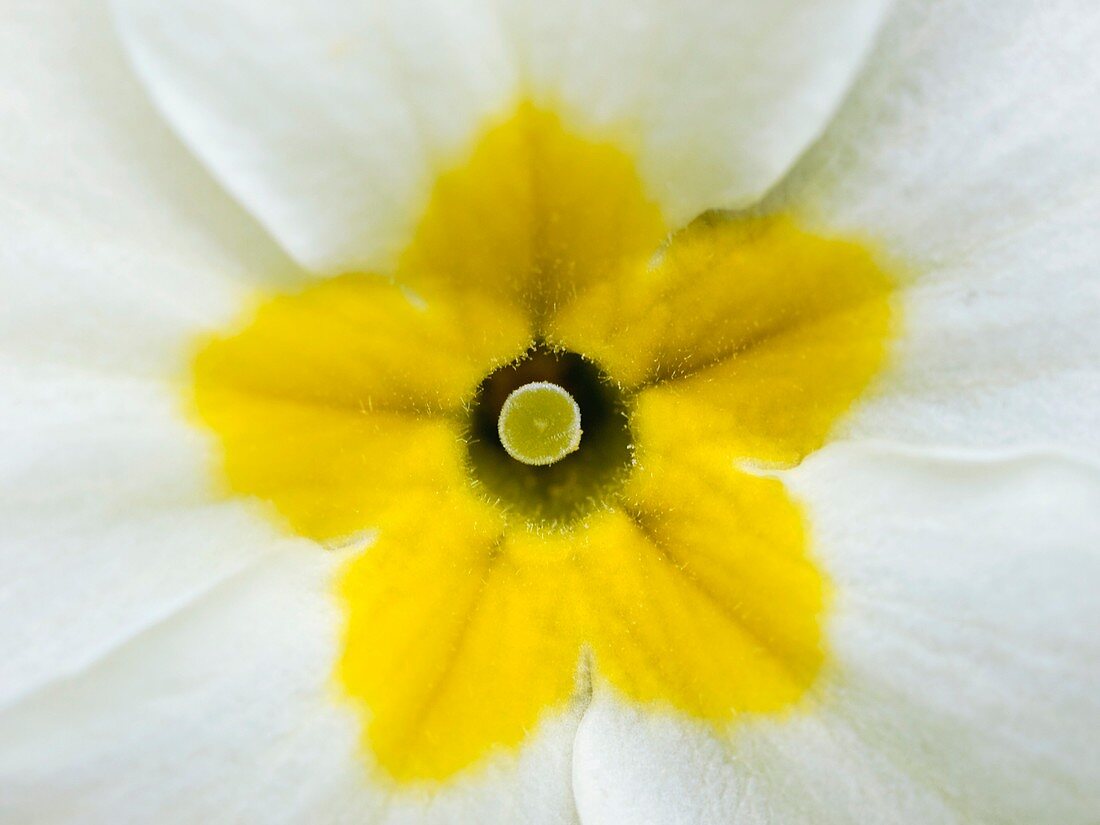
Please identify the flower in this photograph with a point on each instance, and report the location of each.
(696, 612)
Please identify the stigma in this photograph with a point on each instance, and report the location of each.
(539, 424)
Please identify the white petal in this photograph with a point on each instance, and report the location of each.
(108, 517)
(963, 683)
(117, 250)
(717, 99)
(328, 120)
(117, 245)
(224, 711)
(968, 150)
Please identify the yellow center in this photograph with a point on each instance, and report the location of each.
(684, 582)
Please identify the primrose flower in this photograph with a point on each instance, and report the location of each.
(599, 412)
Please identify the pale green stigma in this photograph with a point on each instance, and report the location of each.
(539, 424)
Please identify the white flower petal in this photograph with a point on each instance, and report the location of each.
(716, 99)
(108, 519)
(328, 120)
(117, 249)
(224, 711)
(968, 150)
(117, 245)
(964, 675)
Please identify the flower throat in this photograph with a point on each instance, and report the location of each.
(557, 493)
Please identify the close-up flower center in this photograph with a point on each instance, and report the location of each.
(549, 436)
(534, 430)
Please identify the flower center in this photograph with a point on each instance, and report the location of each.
(524, 439)
(539, 424)
(637, 550)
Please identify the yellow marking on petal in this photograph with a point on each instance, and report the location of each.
(720, 289)
(704, 596)
(748, 336)
(359, 340)
(536, 214)
(335, 402)
(331, 473)
(688, 583)
(466, 631)
(459, 638)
